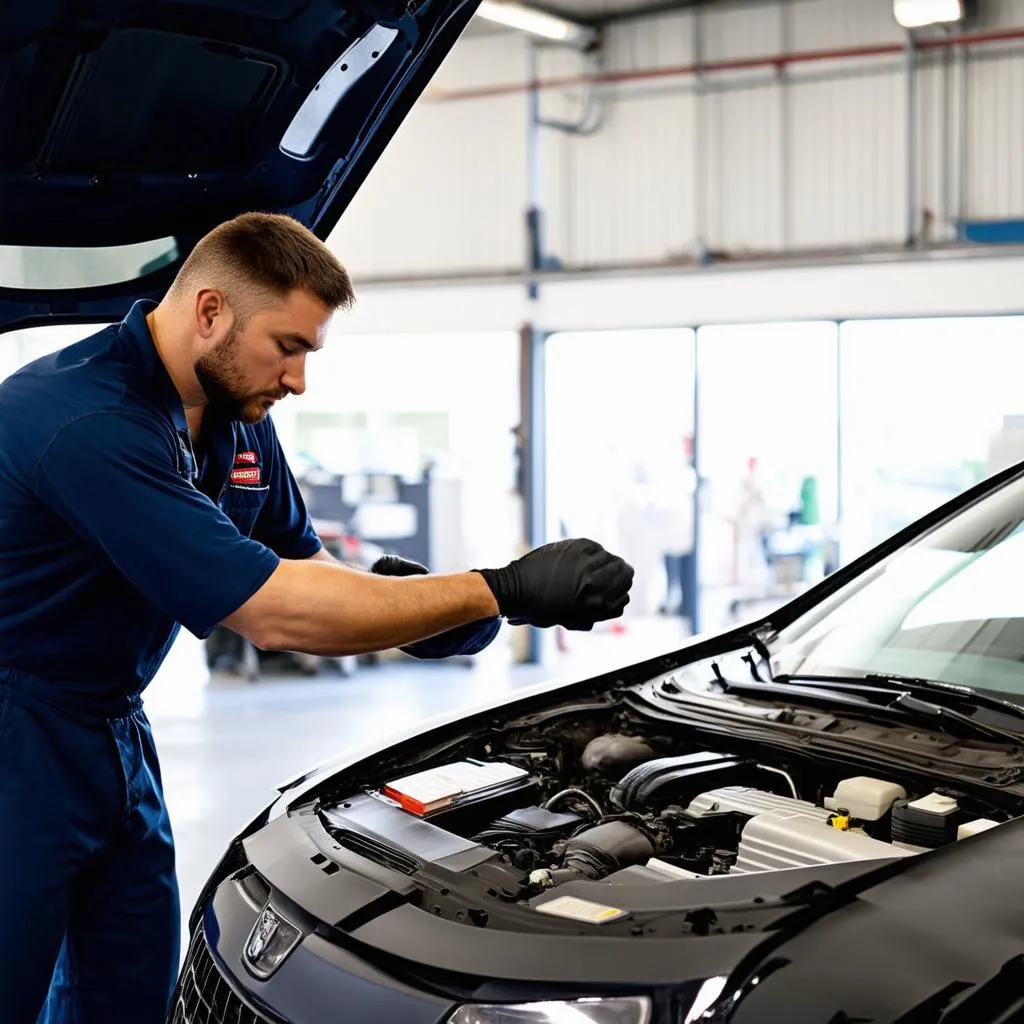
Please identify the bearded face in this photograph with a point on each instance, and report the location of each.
(231, 385)
(262, 358)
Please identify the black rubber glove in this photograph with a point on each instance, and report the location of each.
(571, 583)
(462, 641)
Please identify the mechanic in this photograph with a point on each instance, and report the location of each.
(142, 486)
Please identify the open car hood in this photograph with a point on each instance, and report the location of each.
(130, 128)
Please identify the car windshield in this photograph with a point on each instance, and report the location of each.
(949, 607)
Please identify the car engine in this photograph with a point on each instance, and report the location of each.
(658, 821)
(563, 804)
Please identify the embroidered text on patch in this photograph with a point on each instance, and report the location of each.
(246, 476)
(246, 459)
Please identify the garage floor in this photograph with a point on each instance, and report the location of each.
(225, 744)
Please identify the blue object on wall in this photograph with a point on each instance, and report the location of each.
(991, 232)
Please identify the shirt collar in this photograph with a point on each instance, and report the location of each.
(135, 329)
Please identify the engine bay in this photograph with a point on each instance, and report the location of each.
(615, 800)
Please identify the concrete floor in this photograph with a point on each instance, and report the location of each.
(224, 743)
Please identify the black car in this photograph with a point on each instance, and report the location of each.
(814, 818)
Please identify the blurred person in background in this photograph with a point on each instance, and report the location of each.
(752, 521)
(678, 496)
(640, 535)
(656, 527)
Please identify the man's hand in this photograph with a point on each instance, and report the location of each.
(571, 583)
(462, 641)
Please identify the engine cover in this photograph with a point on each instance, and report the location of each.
(748, 801)
(786, 833)
(794, 839)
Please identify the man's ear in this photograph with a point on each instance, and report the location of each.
(211, 311)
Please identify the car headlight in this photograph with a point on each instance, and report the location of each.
(620, 1010)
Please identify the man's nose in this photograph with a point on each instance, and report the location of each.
(294, 377)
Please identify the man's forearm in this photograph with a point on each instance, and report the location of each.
(317, 606)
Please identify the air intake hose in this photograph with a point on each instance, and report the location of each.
(602, 850)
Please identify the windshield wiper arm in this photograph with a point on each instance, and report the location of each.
(906, 690)
(926, 707)
(913, 684)
(782, 688)
(857, 694)
(964, 694)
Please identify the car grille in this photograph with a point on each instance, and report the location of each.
(203, 995)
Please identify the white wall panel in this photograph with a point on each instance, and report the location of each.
(735, 32)
(837, 24)
(661, 42)
(759, 159)
(995, 137)
(449, 191)
(847, 161)
(632, 185)
(744, 185)
(440, 197)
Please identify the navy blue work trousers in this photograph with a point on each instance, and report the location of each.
(89, 912)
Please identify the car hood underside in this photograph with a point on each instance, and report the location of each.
(128, 129)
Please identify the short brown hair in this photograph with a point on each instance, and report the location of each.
(258, 255)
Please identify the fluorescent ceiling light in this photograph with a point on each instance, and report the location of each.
(536, 23)
(919, 13)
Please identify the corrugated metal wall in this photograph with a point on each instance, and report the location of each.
(995, 133)
(738, 161)
(447, 194)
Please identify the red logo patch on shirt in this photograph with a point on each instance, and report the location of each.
(248, 477)
(247, 469)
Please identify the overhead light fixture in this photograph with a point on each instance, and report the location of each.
(536, 23)
(921, 13)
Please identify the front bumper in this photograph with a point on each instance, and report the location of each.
(318, 982)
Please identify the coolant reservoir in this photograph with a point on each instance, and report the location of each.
(972, 828)
(865, 798)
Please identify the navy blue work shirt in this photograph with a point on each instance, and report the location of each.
(113, 530)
